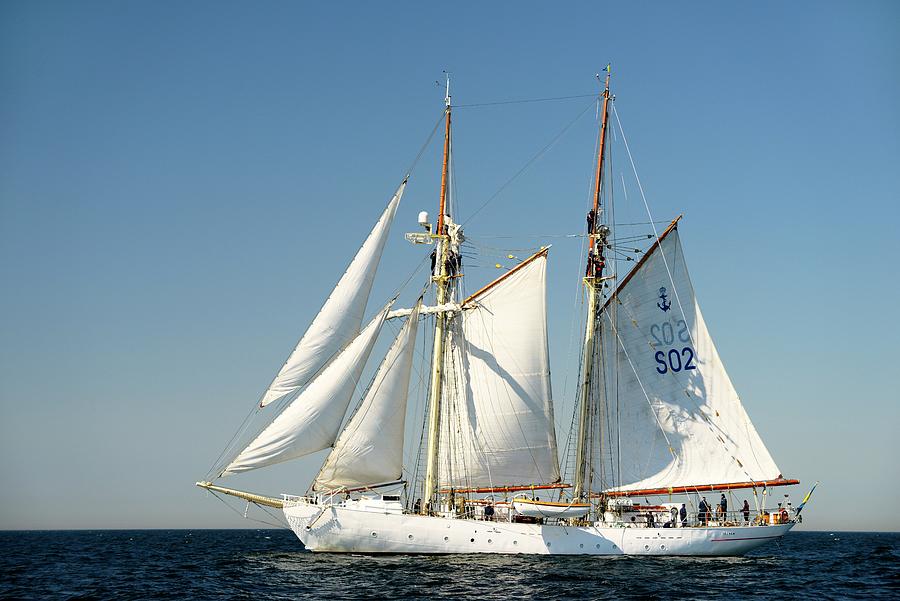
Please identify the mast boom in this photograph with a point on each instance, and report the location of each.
(675, 490)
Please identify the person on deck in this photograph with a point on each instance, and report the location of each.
(489, 512)
(682, 513)
(704, 511)
(746, 511)
(723, 506)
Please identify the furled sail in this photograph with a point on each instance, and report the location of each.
(501, 431)
(339, 319)
(312, 421)
(673, 415)
(370, 448)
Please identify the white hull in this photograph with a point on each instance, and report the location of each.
(336, 529)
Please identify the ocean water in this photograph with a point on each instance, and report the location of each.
(271, 564)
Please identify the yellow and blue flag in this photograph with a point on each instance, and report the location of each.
(806, 498)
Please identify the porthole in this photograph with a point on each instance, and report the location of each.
(490, 541)
(646, 547)
(663, 547)
(581, 546)
(410, 537)
(446, 538)
(374, 534)
(549, 544)
(598, 546)
(515, 542)
(472, 540)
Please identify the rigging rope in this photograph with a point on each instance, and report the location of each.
(647, 207)
(523, 101)
(246, 517)
(576, 322)
(220, 463)
(426, 144)
(530, 161)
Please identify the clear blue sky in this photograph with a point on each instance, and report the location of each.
(181, 183)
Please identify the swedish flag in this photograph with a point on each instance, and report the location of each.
(806, 498)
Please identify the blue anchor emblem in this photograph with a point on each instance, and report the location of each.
(664, 303)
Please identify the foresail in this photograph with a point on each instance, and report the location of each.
(339, 319)
(312, 420)
(501, 430)
(671, 414)
(370, 448)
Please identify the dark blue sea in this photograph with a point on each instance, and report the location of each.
(271, 564)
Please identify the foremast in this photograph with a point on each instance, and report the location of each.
(442, 282)
(597, 240)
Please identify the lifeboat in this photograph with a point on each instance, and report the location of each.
(549, 509)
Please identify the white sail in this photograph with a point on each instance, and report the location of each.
(339, 319)
(370, 448)
(501, 431)
(312, 421)
(673, 415)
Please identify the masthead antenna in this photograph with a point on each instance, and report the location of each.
(447, 95)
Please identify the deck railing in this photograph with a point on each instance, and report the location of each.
(694, 519)
(626, 516)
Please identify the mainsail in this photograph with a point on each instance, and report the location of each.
(312, 421)
(500, 430)
(673, 416)
(339, 319)
(370, 448)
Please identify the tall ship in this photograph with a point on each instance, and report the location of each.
(659, 441)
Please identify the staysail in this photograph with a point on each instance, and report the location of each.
(370, 448)
(339, 319)
(312, 421)
(501, 430)
(674, 416)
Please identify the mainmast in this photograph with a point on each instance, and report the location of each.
(441, 279)
(597, 236)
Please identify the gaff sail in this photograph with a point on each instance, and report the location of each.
(500, 430)
(679, 420)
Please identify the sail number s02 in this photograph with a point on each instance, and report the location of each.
(675, 359)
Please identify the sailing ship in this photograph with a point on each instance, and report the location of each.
(656, 416)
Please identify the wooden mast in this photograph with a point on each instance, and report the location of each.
(600, 154)
(597, 235)
(442, 284)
